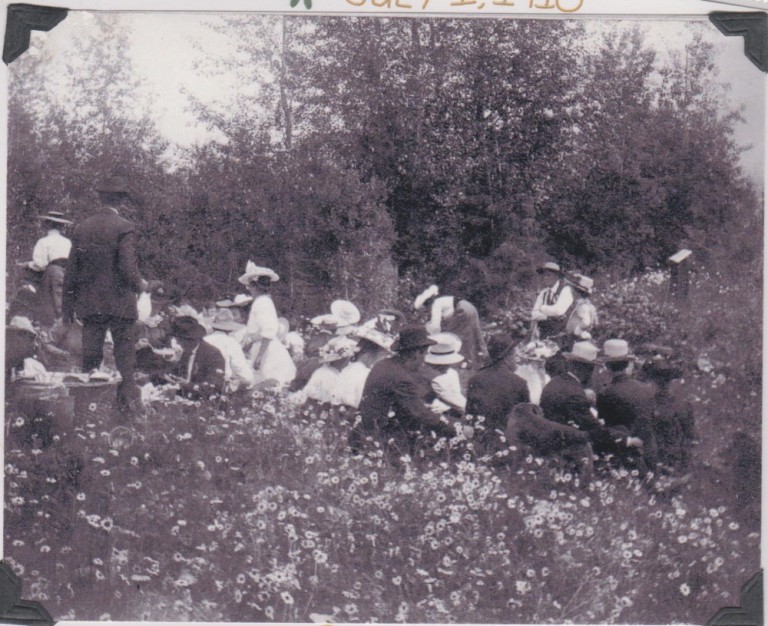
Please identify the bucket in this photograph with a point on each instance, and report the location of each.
(48, 406)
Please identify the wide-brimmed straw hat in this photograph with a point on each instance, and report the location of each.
(549, 266)
(338, 348)
(445, 351)
(187, 327)
(583, 283)
(56, 217)
(582, 352)
(225, 320)
(239, 300)
(430, 292)
(374, 336)
(615, 350)
(21, 323)
(412, 338)
(346, 312)
(253, 273)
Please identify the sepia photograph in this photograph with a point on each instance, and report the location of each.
(383, 318)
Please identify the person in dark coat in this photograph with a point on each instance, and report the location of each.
(564, 401)
(492, 393)
(101, 285)
(200, 370)
(673, 422)
(628, 403)
(392, 410)
(527, 427)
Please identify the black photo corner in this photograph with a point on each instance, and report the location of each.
(753, 26)
(750, 612)
(21, 20)
(14, 610)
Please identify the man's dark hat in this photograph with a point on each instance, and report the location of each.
(499, 346)
(526, 411)
(662, 369)
(113, 184)
(187, 327)
(412, 338)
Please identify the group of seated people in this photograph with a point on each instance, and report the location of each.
(403, 383)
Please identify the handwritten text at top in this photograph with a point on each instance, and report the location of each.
(562, 6)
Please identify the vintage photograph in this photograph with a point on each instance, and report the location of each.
(319, 318)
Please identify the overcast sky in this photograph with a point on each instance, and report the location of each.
(165, 46)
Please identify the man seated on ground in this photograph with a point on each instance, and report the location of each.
(529, 431)
(565, 401)
(392, 410)
(628, 403)
(446, 394)
(492, 393)
(199, 372)
(238, 373)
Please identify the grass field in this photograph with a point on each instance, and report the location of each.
(258, 513)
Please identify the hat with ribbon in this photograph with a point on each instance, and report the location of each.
(56, 217)
(187, 327)
(430, 292)
(445, 351)
(225, 320)
(549, 266)
(583, 283)
(582, 352)
(412, 338)
(256, 273)
(615, 350)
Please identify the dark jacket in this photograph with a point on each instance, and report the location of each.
(102, 275)
(207, 371)
(492, 393)
(544, 437)
(673, 425)
(629, 403)
(393, 411)
(564, 401)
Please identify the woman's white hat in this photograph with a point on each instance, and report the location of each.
(346, 312)
(253, 272)
(338, 348)
(430, 292)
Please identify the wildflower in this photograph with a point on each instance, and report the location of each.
(625, 601)
(45, 548)
(350, 609)
(286, 597)
(107, 523)
(545, 571)
(92, 406)
(80, 496)
(240, 579)
(685, 589)
(18, 543)
(105, 472)
(530, 573)
(682, 539)
(269, 612)
(396, 581)
(19, 422)
(733, 526)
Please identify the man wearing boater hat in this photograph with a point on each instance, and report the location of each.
(49, 256)
(101, 286)
(392, 410)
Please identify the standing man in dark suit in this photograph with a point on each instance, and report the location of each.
(392, 409)
(101, 285)
(493, 392)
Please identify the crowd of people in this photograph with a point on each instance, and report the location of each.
(403, 379)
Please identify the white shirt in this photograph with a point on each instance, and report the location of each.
(237, 370)
(559, 308)
(262, 320)
(49, 248)
(322, 384)
(447, 387)
(442, 307)
(349, 385)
